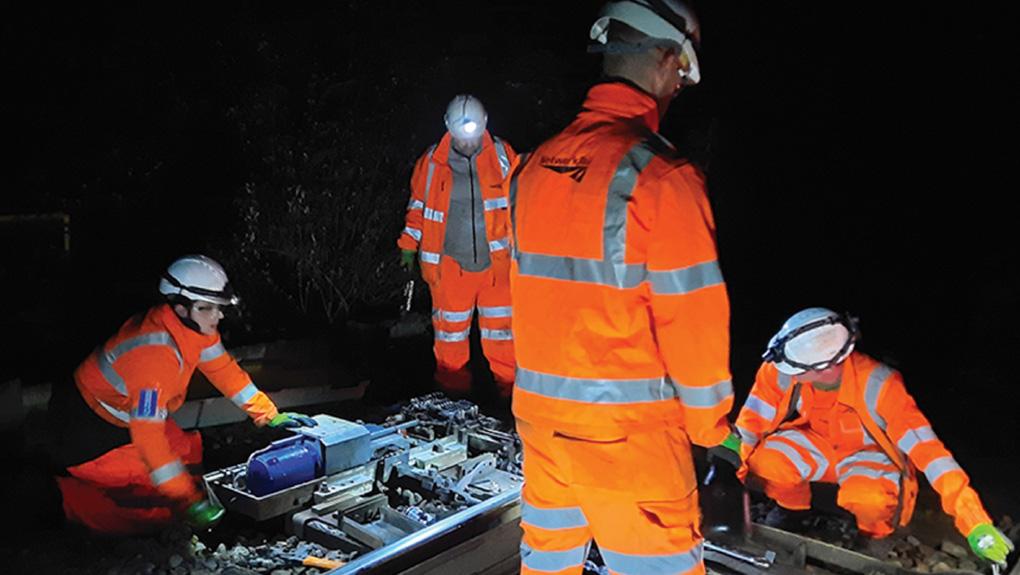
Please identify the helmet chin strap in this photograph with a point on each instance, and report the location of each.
(186, 319)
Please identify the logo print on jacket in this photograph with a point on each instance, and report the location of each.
(573, 167)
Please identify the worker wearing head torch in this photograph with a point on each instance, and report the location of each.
(820, 411)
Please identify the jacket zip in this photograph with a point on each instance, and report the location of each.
(474, 232)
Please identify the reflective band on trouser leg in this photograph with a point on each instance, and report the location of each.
(677, 563)
(495, 321)
(784, 472)
(800, 441)
(869, 486)
(533, 561)
(453, 299)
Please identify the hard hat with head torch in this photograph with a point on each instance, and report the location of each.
(465, 117)
(812, 339)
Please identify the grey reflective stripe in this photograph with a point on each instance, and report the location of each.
(555, 518)
(430, 257)
(167, 472)
(872, 391)
(513, 205)
(212, 352)
(121, 415)
(685, 280)
(793, 455)
(500, 244)
(452, 335)
(495, 204)
(612, 391)
(800, 404)
(415, 204)
(868, 440)
(623, 276)
(413, 232)
(784, 381)
(553, 560)
(912, 437)
(497, 334)
(863, 457)
(452, 316)
(940, 467)
(747, 437)
(158, 417)
(893, 476)
(821, 463)
(494, 311)
(106, 359)
(621, 188)
(504, 160)
(674, 564)
(705, 397)
(428, 176)
(760, 406)
(244, 396)
(434, 215)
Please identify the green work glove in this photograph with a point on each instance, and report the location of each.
(407, 259)
(204, 514)
(728, 450)
(989, 543)
(291, 419)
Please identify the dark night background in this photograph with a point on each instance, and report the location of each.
(853, 155)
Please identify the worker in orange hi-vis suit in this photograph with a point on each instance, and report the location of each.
(457, 224)
(821, 412)
(125, 463)
(620, 316)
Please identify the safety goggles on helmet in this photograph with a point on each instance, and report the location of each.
(223, 297)
(815, 346)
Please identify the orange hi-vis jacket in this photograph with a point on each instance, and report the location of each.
(875, 392)
(621, 318)
(141, 375)
(431, 185)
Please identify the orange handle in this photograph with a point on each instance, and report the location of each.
(321, 562)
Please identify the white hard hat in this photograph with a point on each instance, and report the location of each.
(669, 20)
(465, 117)
(812, 339)
(197, 278)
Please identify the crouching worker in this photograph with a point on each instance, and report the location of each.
(125, 463)
(821, 412)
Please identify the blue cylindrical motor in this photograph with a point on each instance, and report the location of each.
(284, 464)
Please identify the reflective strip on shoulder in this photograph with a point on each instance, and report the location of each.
(761, 407)
(553, 518)
(434, 215)
(889, 475)
(500, 244)
(553, 561)
(244, 396)
(106, 359)
(940, 467)
(212, 352)
(792, 455)
(685, 280)
(784, 381)
(504, 159)
(452, 336)
(495, 311)
(706, 397)
(495, 204)
(415, 204)
(912, 437)
(413, 232)
(161, 475)
(497, 334)
(608, 391)
(676, 563)
(430, 173)
(873, 390)
(429, 257)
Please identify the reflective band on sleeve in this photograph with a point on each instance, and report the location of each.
(501, 155)
(676, 563)
(685, 280)
(500, 244)
(167, 472)
(892, 476)
(429, 257)
(120, 415)
(244, 396)
(610, 391)
(555, 518)
(495, 204)
(415, 204)
(553, 561)
(497, 334)
(821, 463)
(452, 336)
(158, 416)
(747, 437)
(106, 359)
(212, 352)
(452, 316)
(434, 215)
(863, 457)
(494, 311)
(940, 467)
(912, 437)
(873, 390)
(760, 406)
(706, 397)
(795, 458)
(413, 232)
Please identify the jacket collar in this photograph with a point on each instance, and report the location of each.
(441, 155)
(622, 98)
(190, 342)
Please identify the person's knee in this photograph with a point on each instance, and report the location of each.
(774, 468)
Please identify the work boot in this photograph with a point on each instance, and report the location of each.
(790, 520)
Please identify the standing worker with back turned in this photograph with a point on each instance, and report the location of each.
(457, 223)
(620, 315)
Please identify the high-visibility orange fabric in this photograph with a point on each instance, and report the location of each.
(141, 375)
(113, 494)
(873, 414)
(454, 300)
(621, 316)
(580, 488)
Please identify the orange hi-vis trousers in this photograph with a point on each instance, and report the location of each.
(869, 482)
(454, 297)
(635, 495)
